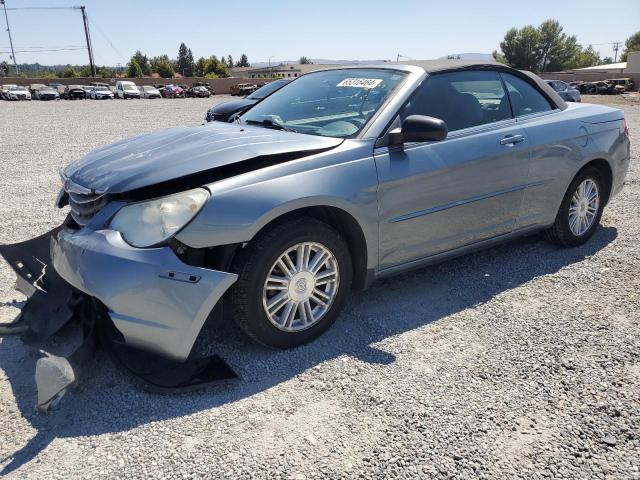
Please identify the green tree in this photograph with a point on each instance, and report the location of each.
(304, 61)
(243, 62)
(201, 67)
(557, 48)
(520, 48)
(585, 58)
(4, 68)
(230, 61)
(165, 69)
(143, 61)
(163, 66)
(607, 61)
(499, 57)
(185, 61)
(134, 70)
(545, 48)
(69, 72)
(85, 71)
(631, 45)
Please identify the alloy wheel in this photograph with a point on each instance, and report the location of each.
(301, 286)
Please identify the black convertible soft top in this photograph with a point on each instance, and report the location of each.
(446, 65)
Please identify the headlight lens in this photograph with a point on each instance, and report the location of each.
(148, 223)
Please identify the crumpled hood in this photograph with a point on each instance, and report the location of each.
(232, 106)
(179, 152)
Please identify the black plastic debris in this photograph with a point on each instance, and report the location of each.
(53, 303)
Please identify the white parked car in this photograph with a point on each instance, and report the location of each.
(149, 91)
(17, 93)
(101, 93)
(126, 89)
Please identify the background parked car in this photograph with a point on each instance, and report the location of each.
(34, 87)
(45, 93)
(126, 89)
(4, 90)
(74, 92)
(199, 92)
(207, 85)
(149, 91)
(172, 91)
(16, 92)
(101, 93)
(243, 89)
(625, 83)
(224, 111)
(566, 91)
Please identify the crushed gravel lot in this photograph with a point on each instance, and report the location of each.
(522, 361)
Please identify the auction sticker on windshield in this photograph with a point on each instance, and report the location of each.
(360, 82)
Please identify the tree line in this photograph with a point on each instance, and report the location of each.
(547, 48)
(212, 67)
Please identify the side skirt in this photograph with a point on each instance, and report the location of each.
(460, 251)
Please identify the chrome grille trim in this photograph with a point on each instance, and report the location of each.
(84, 207)
(83, 201)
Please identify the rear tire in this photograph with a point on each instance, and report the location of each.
(580, 210)
(301, 300)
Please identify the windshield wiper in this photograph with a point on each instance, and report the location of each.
(269, 123)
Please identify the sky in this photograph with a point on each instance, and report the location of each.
(287, 29)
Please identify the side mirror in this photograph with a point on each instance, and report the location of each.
(419, 128)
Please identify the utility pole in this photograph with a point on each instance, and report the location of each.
(616, 47)
(13, 54)
(85, 21)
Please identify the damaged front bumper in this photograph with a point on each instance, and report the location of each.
(157, 302)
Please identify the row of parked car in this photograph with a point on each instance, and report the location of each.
(614, 86)
(571, 91)
(103, 91)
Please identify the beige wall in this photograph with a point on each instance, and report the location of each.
(633, 62)
(220, 85)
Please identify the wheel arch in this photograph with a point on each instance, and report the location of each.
(605, 170)
(346, 225)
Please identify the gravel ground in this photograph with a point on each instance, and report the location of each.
(522, 361)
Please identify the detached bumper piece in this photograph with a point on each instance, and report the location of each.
(53, 303)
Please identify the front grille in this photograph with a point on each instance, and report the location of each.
(85, 206)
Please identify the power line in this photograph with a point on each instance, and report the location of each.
(44, 8)
(38, 51)
(104, 35)
(43, 47)
(85, 24)
(13, 54)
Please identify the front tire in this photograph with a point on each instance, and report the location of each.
(293, 280)
(580, 210)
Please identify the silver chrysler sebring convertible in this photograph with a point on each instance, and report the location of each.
(341, 177)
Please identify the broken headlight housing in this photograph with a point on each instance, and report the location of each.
(148, 223)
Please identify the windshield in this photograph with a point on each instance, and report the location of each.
(148, 89)
(19, 89)
(332, 103)
(266, 90)
(129, 87)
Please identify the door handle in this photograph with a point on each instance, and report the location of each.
(512, 140)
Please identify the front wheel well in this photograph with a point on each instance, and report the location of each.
(222, 257)
(346, 226)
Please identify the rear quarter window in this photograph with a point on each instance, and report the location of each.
(525, 98)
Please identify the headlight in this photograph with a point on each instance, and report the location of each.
(148, 223)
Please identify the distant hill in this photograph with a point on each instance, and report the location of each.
(484, 57)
